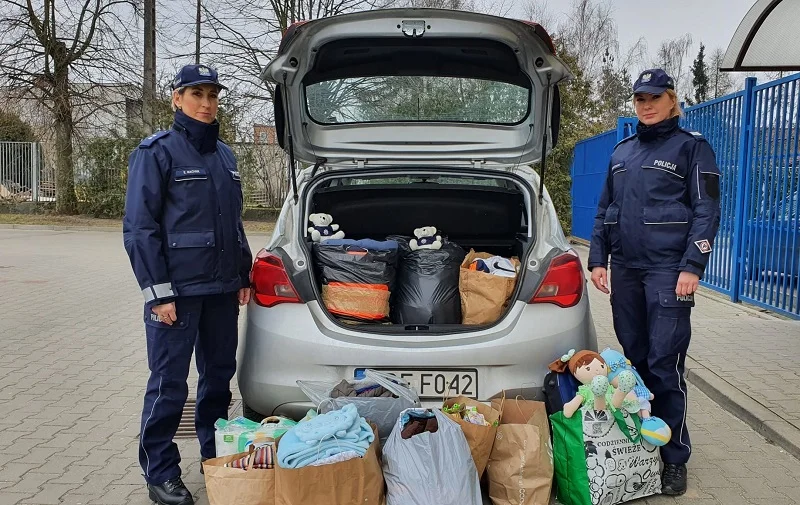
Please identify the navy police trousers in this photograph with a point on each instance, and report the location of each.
(653, 326)
(208, 325)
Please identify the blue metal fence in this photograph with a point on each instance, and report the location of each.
(755, 134)
(589, 169)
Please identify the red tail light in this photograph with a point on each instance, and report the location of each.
(270, 281)
(563, 282)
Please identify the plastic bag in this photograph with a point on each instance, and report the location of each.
(355, 264)
(357, 278)
(427, 285)
(430, 467)
(381, 411)
(237, 435)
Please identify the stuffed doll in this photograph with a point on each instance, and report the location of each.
(323, 228)
(595, 391)
(426, 239)
(654, 429)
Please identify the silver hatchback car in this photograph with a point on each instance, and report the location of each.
(407, 118)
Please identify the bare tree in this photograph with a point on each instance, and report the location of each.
(589, 30)
(46, 47)
(241, 36)
(671, 56)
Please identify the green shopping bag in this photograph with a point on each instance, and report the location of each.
(600, 457)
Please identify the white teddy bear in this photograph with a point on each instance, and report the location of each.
(323, 228)
(426, 239)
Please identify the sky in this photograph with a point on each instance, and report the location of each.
(712, 22)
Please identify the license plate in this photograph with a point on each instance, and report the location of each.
(436, 383)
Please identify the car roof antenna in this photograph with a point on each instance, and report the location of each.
(292, 173)
(545, 122)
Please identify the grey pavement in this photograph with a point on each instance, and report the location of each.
(74, 369)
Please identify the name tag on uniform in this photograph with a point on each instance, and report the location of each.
(189, 174)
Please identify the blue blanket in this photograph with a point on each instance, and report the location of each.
(324, 436)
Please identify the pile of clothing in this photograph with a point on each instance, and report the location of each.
(348, 390)
(332, 437)
(263, 459)
(415, 422)
(495, 265)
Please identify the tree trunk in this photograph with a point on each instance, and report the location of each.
(66, 202)
(149, 77)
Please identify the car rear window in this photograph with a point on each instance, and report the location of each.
(417, 98)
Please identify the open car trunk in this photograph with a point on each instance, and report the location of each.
(488, 214)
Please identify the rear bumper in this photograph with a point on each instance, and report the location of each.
(288, 342)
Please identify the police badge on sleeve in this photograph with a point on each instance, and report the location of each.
(704, 246)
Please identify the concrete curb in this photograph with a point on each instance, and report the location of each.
(765, 422)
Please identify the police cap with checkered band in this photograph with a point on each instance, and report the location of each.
(193, 75)
(654, 81)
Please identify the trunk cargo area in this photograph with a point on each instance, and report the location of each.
(424, 288)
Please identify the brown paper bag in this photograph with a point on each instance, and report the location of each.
(520, 469)
(479, 438)
(357, 481)
(225, 486)
(484, 296)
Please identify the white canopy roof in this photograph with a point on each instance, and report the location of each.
(768, 38)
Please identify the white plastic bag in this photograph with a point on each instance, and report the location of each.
(430, 468)
(381, 411)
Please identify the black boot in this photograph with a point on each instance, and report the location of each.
(172, 492)
(673, 480)
(202, 460)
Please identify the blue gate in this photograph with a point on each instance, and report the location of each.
(755, 134)
(589, 169)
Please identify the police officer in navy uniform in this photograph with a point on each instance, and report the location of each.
(657, 217)
(184, 235)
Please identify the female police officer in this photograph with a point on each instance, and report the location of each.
(657, 218)
(184, 236)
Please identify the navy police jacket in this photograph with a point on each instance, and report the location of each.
(659, 207)
(182, 228)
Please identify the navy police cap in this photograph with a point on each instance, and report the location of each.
(192, 75)
(654, 81)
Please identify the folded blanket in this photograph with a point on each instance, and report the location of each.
(323, 436)
(375, 245)
(336, 423)
(294, 453)
(339, 458)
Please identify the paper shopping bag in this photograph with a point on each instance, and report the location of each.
(520, 469)
(356, 481)
(484, 296)
(479, 438)
(250, 486)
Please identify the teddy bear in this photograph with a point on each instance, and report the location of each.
(426, 239)
(323, 228)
